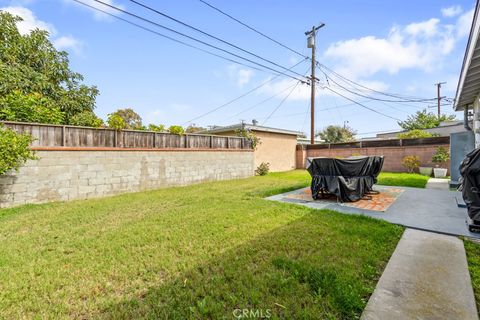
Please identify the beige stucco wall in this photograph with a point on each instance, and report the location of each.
(278, 149)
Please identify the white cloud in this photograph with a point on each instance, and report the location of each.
(419, 45)
(239, 75)
(464, 23)
(427, 28)
(30, 21)
(68, 42)
(97, 14)
(451, 11)
(244, 77)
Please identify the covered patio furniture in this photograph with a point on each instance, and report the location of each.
(470, 187)
(349, 179)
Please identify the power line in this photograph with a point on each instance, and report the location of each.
(407, 99)
(253, 29)
(261, 102)
(373, 98)
(280, 104)
(212, 36)
(362, 105)
(192, 38)
(168, 37)
(239, 97)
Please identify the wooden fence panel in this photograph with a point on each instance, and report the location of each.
(235, 143)
(382, 143)
(219, 142)
(197, 141)
(46, 135)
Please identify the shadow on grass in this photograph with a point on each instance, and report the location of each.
(322, 265)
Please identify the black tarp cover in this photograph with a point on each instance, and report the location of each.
(348, 179)
(470, 184)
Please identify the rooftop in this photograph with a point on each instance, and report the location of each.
(253, 127)
(469, 82)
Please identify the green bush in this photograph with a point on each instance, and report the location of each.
(413, 134)
(153, 127)
(176, 130)
(262, 169)
(14, 149)
(116, 122)
(34, 107)
(411, 163)
(86, 119)
(441, 155)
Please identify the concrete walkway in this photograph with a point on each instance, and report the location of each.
(438, 184)
(426, 278)
(425, 209)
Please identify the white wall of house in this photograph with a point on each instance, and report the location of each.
(476, 121)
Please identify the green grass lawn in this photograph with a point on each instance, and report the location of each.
(199, 251)
(473, 258)
(402, 179)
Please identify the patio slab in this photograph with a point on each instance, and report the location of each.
(426, 278)
(425, 209)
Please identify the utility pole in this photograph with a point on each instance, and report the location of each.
(311, 44)
(439, 98)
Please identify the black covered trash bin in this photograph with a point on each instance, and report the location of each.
(348, 179)
(470, 187)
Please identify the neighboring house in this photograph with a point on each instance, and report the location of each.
(277, 146)
(444, 129)
(467, 99)
(307, 140)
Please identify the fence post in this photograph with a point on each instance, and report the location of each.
(154, 140)
(228, 143)
(115, 138)
(211, 142)
(63, 136)
(400, 142)
(186, 141)
(242, 143)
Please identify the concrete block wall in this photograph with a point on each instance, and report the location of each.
(393, 155)
(69, 175)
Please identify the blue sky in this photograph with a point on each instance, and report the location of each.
(395, 46)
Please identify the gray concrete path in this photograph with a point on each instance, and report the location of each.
(426, 209)
(426, 278)
(439, 184)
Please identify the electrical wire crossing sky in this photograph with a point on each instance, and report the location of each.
(212, 62)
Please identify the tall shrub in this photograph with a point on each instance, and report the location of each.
(14, 149)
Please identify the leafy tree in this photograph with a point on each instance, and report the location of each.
(337, 134)
(86, 119)
(417, 133)
(424, 120)
(176, 130)
(14, 149)
(32, 107)
(159, 128)
(116, 122)
(30, 64)
(131, 118)
(194, 129)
